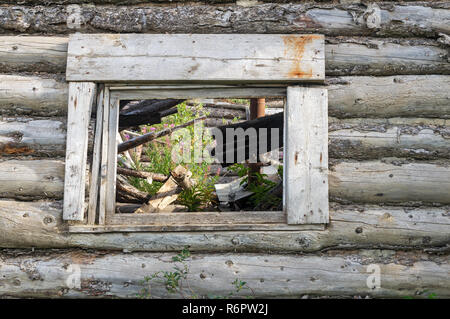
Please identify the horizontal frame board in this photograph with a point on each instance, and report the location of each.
(172, 58)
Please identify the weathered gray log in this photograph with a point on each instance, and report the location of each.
(344, 56)
(362, 56)
(223, 113)
(32, 179)
(350, 96)
(393, 181)
(44, 274)
(141, 174)
(130, 191)
(351, 227)
(357, 138)
(346, 19)
(391, 96)
(390, 181)
(36, 137)
(48, 54)
(126, 2)
(395, 137)
(145, 138)
(32, 95)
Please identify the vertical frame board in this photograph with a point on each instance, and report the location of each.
(104, 159)
(96, 157)
(111, 173)
(81, 97)
(306, 156)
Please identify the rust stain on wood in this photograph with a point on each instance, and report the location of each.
(294, 49)
(13, 149)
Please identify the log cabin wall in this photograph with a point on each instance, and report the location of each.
(387, 68)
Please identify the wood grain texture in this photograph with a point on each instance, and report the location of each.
(31, 179)
(104, 160)
(374, 19)
(18, 53)
(81, 99)
(364, 139)
(391, 181)
(343, 56)
(43, 274)
(351, 227)
(349, 96)
(351, 138)
(111, 170)
(94, 184)
(203, 57)
(44, 137)
(390, 96)
(305, 183)
(32, 95)
(411, 182)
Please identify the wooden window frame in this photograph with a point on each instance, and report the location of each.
(305, 180)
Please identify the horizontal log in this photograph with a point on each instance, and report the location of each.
(390, 96)
(396, 181)
(343, 56)
(361, 139)
(352, 227)
(365, 139)
(120, 275)
(350, 96)
(35, 137)
(31, 179)
(381, 19)
(48, 54)
(126, 2)
(362, 56)
(32, 95)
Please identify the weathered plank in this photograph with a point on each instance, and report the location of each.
(350, 96)
(375, 19)
(81, 99)
(350, 227)
(111, 170)
(104, 159)
(203, 57)
(32, 95)
(305, 183)
(36, 137)
(94, 184)
(266, 275)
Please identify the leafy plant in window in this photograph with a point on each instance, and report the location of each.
(259, 185)
(160, 155)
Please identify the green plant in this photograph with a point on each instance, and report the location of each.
(176, 280)
(258, 184)
(160, 153)
(198, 195)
